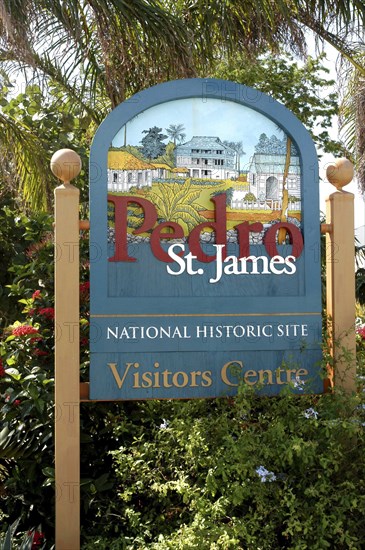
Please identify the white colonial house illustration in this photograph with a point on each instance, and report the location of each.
(161, 170)
(206, 157)
(126, 171)
(266, 174)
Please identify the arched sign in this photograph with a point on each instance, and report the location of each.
(205, 237)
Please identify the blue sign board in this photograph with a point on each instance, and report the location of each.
(204, 246)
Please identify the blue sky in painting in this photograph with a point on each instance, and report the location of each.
(211, 117)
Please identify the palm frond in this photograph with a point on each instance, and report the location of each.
(189, 214)
(15, 445)
(30, 159)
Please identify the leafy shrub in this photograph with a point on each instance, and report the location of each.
(229, 195)
(249, 197)
(27, 394)
(17, 232)
(203, 181)
(360, 284)
(176, 179)
(284, 472)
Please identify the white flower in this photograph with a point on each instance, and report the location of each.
(265, 475)
(164, 425)
(311, 413)
(298, 383)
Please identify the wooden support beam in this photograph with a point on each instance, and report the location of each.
(84, 391)
(340, 265)
(66, 165)
(326, 228)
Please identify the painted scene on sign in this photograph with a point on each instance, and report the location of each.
(182, 154)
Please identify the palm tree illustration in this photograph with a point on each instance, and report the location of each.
(176, 132)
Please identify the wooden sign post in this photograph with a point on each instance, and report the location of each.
(340, 265)
(66, 165)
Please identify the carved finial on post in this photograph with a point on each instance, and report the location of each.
(66, 165)
(340, 173)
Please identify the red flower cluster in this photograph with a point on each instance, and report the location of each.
(36, 294)
(361, 331)
(2, 370)
(40, 352)
(85, 287)
(16, 402)
(24, 330)
(47, 312)
(38, 539)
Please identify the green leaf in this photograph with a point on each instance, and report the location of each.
(33, 392)
(48, 471)
(30, 377)
(14, 373)
(40, 405)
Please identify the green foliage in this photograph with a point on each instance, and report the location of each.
(360, 284)
(45, 123)
(229, 195)
(168, 157)
(299, 86)
(26, 429)
(11, 245)
(26, 248)
(360, 273)
(176, 133)
(284, 472)
(177, 180)
(27, 379)
(177, 203)
(292, 199)
(204, 181)
(152, 144)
